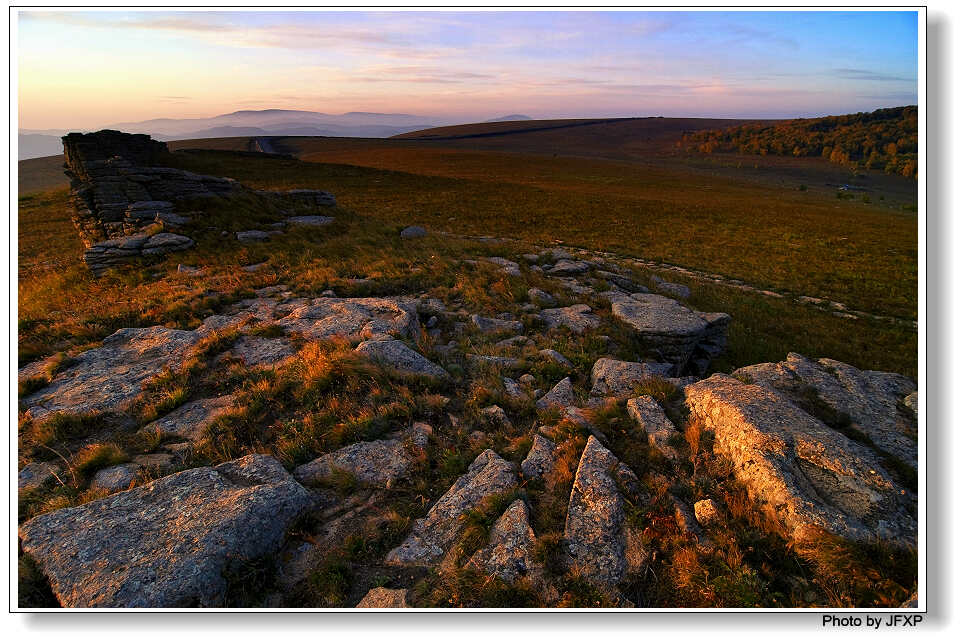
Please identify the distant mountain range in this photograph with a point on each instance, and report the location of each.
(270, 122)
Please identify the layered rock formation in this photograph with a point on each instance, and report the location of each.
(123, 197)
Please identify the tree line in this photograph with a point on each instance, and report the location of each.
(885, 139)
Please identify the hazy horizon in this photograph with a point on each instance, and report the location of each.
(461, 66)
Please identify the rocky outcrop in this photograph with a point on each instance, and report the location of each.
(872, 402)
(538, 462)
(659, 430)
(594, 526)
(671, 332)
(124, 195)
(561, 396)
(352, 319)
(385, 598)
(434, 535)
(796, 469)
(510, 551)
(192, 419)
(401, 358)
(377, 463)
(110, 377)
(577, 318)
(167, 543)
(611, 377)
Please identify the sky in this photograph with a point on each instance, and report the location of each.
(88, 69)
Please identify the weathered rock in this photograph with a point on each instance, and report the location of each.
(493, 325)
(707, 511)
(310, 220)
(192, 419)
(508, 267)
(169, 542)
(110, 377)
(155, 461)
(675, 289)
(539, 461)
(189, 270)
(353, 319)
(116, 478)
(36, 475)
(378, 463)
(433, 536)
(496, 415)
(621, 281)
(165, 242)
(255, 351)
(659, 430)
(511, 547)
(413, 232)
(565, 267)
(512, 388)
(800, 472)
(385, 598)
(560, 396)
(557, 357)
(540, 296)
(874, 402)
(594, 525)
(577, 318)
(611, 377)
(401, 358)
(672, 332)
(252, 236)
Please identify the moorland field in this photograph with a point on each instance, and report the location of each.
(616, 191)
(625, 186)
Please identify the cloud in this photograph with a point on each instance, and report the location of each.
(872, 76)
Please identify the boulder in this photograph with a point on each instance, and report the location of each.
(413, 232)
(556, 357)
(559, 396)
(594, 526)
(110, 377)
(872, 402)
(401, 358)
(706, 511)
(353, 319)
(382, 597)
(116, 478)
(252, 236)
(36, 475)
(377, 463)
(508, 267)
(800, 472)
(511, 546)
(540, 296)
(659, 430)
(577, 318)
(192, 419)
(434, 535)
(309, 220)
(539, 460)
(675, 289)
(493, 325)
(611, 377)
(168, 543)
(566, 267)
(672, 332)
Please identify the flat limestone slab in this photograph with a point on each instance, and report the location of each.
(167, 543)
(110, 377)
(353, 319)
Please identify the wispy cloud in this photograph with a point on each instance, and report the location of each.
(869, 76)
